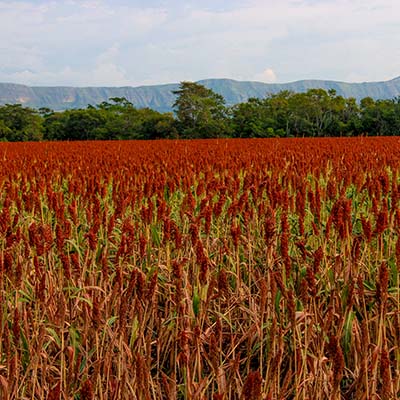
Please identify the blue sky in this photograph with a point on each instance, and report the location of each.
(121, 42)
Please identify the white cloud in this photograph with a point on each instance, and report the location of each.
(120, 42)
(267, 76)
(107, 69)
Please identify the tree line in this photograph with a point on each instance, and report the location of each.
(199, 112)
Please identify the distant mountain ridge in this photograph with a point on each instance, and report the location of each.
(161, 98)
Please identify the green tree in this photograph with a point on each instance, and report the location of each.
(55, 126)
(200, 111)
(254, 119)
(85, 124)
(279, 108)
(23, 123)
(349, 118)
(155, 125)
(6, 133)
(381, 117)
(122, 120)
(312, 112)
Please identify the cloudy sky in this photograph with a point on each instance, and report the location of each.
(122, 42)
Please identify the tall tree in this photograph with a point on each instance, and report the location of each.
(200, 111)
(23, 123)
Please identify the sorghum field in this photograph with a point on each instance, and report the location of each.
(225, 269)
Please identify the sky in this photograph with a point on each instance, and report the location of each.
(145, 42)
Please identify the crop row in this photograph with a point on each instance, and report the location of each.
(200, 269)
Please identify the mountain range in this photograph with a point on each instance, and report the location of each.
(161, 98)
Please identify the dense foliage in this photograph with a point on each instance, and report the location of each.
(214, 269)
(201, 113)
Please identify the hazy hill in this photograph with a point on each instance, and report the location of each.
(160, 97)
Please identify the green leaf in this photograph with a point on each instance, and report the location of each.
(196, 303)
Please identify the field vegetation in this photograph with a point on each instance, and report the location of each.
(225, 269)
(201, 113)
